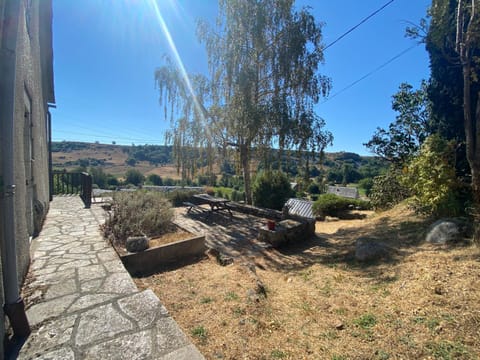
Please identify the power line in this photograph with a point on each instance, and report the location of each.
(371, 72)
(356, 26)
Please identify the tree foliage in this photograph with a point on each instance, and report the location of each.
(405, 135)
(388, 190)
(263, 58)
(431, 178)
(272, 189)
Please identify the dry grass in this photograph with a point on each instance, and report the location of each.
(168, 238)
(320, 303)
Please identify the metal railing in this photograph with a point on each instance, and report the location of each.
(79, 183)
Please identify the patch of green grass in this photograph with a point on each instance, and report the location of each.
(381, 355)
(238, 311)
(366, 321)
(340, 311)
(447, 350)
(229, 296)
(306, 275)
(200, 333)
(278, 354)
(206, 300)
(326, 289)
(339, 357)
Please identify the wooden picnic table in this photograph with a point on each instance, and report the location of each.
(216, 203)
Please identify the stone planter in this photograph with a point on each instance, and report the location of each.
(287, 231)
(164, 256)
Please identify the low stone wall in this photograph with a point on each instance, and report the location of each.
(256, 211)
(287, 231)
(165, 256)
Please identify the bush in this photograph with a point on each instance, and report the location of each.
(366, 184)
(178, 197)
(138, 213)
(271, 189)
(431, 177)
(134, 177)
(388, 190)
(334, 205)
(237, 195)
(155, 179)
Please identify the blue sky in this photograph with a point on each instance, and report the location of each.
(106, 51)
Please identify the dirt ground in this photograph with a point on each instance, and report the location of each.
(312, 300)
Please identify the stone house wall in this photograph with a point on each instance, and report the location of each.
(33, 90)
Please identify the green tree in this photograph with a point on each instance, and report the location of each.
(431, 178)
(155, 179)
(405, 135)
(453, 42)
(263, 57)
(271, 189)
(99, 177)
(134, 177)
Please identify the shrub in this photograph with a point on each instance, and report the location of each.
(138, 213)
(388, 190)
(431, 177)
(336, 206)
(178, 197)
(271, 189)
(366, 184)
(134, 177)
(314, 189)
(155, 179)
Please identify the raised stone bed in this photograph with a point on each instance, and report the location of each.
(164, 256)
(288, 231)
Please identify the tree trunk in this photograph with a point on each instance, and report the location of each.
(244, 160)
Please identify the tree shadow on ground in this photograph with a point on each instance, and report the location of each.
(338, 249)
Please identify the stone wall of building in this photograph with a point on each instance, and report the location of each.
(33, 89)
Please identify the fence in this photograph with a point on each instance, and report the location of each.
(73, 183)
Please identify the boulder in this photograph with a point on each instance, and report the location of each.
(444, 231)
(136, 243)
(370, 250)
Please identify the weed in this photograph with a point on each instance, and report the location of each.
(340, 311)
(306, 275)
(326, 289)
(238, 311)
(200, 333)
(339, 357)
(330, 335)
(382, 355)
(365, 321)
(432, 323)
(206, 300)
(278, 354)
(229, 296)
(447, 350)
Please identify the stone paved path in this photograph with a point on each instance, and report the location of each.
(82, 303)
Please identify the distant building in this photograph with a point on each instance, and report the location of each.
(26, 89)
(343, 191)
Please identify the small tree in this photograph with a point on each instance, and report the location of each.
(155, 179)
(271, 189)
(388, 190)
(134, 177)
(431, 178)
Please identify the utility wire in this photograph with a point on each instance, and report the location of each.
(371, 73)
(356, 26)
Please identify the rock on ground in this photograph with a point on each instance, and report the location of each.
(444, 231)
(370, 250)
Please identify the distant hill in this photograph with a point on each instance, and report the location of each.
(158, 159)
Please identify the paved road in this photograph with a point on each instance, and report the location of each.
(82, 303)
